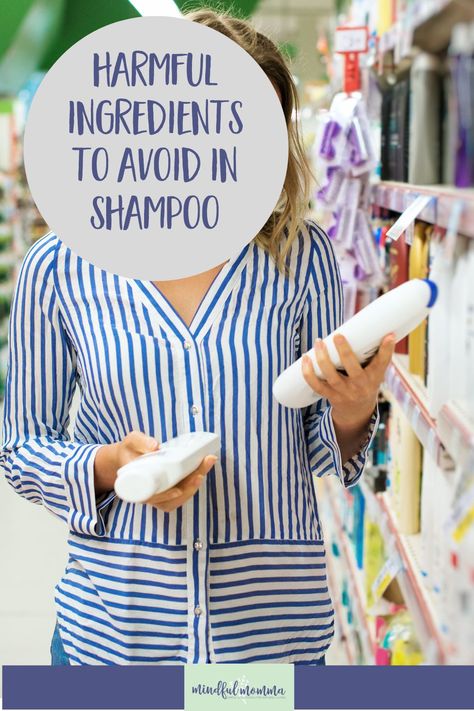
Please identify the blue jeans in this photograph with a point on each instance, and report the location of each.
(58, 655)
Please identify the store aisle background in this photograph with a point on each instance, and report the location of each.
(33, 554)
(401, 543)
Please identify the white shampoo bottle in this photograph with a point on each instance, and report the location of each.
(398, 311)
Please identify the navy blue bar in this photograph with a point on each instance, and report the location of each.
(162, 687)
(93, 687)
(384, 687)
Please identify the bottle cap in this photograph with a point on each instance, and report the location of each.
(426, 62)
(433, 292)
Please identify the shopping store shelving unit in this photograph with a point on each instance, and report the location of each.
(364, 625)
(452, 433)
(448, 438)
(410, 394)
(428, 26)
(21, 220)
(410, 577)
(396, 197)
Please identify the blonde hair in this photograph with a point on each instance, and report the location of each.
(281, 229)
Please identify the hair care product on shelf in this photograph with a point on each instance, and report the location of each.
(424, 164)
(418, 269)
(405, 471)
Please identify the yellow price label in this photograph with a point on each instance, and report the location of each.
(383, 585)
(464, 525)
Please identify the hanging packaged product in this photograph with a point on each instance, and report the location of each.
(346, 149)
(366, 254)
(346, 140)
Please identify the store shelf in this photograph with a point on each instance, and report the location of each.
(433, 26)
(449, 439)
(457, 434)
(410, 393)
(368, 639)
(394, 196)
(415, 593)
(410, 578)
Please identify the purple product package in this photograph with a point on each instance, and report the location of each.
(334, 227)
(330, 191)
(365, 251)
(360, 157)
(331, 130)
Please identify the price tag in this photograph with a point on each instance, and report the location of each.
(409, 215)
(351, 39)
(464, 525)
(408, 200)
(461, 519)
(389, 571)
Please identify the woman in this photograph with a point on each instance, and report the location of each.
(229, 566)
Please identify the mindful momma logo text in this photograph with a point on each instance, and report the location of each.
(239, 689)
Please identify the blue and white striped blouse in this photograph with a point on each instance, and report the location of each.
(238, 573)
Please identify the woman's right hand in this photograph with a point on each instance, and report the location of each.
(175, 497)
(110, 457)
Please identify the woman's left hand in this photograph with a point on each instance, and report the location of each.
(353, 397)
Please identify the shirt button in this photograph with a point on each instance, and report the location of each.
(187, 345)
(198, 545)
(194, 410)
(197, 611)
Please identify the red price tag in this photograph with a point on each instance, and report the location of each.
(351, 39)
